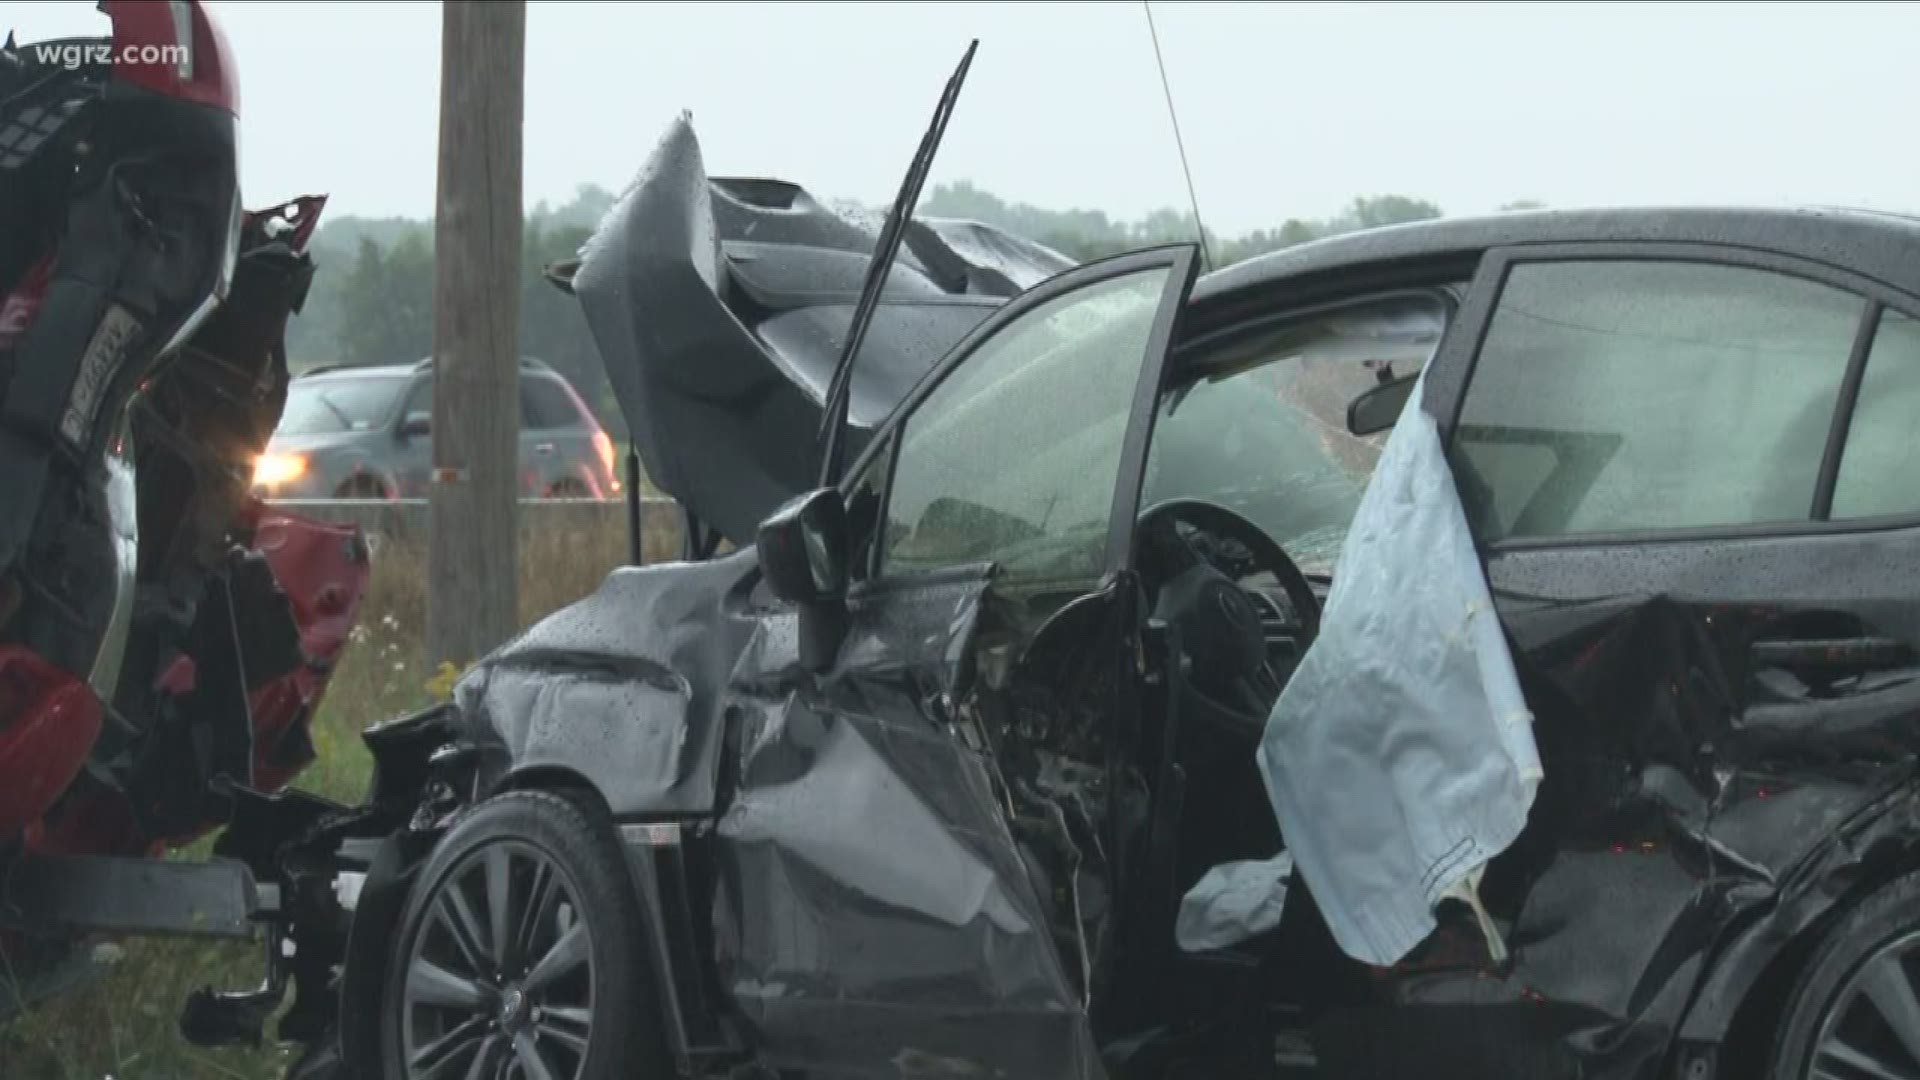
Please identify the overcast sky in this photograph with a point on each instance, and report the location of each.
(1288, 109)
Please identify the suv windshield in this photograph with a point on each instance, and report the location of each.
(326, 406)
(1262, 428)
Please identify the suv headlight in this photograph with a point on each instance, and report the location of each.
(271, 470)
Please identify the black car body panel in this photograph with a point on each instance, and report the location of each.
(719, 307)
(867, 879)
(839, 831)
(627, 688)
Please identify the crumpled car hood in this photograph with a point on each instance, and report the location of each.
(720, 306)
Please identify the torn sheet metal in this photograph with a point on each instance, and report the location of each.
(720, 306)
(867, 880)
(874, 915)
(624, 687)
(1697, 813)
(1400, 759)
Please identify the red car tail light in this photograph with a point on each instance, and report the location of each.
(173, 48)
(48, 722)
(22, 305)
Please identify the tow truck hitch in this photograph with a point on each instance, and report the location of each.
(284, 872)
(74, 896)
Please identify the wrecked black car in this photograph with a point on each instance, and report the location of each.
(163, 636)
(957, 765)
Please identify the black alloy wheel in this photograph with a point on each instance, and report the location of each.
(1856, 1013)
(520, 953)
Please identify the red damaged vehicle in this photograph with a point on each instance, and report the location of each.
(164, 637)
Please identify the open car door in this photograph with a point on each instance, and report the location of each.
(907, 861)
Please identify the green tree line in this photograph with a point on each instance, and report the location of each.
(372, 297)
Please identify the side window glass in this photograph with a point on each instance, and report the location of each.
(544, 405)
(420, 398)
(1629, 395)
(1014, 457)
(527, 420)
(1880, 467)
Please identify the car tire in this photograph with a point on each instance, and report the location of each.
(571, 987)
(1858, 998)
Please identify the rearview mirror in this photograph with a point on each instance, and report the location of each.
(1379, 408)
(416, 424)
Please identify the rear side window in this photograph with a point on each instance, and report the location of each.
(421, 399)
(1641, 395)
(1880, 467)
(546, 404)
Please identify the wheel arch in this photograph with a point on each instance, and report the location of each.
(364, 471)
(567, 488)
(664, 862)
(559, 779)
(1743, 994)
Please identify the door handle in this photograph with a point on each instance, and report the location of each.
(543, 448)
(1833, 654)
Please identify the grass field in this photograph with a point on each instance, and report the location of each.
(123, 1025)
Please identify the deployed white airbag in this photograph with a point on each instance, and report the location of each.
(1233, 902)
(1400, 757)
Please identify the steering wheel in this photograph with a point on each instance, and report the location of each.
(1199, 555)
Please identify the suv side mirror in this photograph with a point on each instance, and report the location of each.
(803, 554)
(416, 425)
(1380, 407)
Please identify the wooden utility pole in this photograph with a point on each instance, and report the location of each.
(474, 505)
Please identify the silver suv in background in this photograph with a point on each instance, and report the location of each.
(365, 433)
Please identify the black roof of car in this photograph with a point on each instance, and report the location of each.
(1883, 245)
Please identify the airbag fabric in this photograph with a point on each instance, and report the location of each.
(1400, 758)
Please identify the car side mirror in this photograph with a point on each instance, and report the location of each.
(803, 548)
(1380, 407)
(803, 555)
(416, 425)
